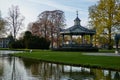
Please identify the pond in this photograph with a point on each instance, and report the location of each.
(13, 68)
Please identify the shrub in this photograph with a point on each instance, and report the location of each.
(30, 42)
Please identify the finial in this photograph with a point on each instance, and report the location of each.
(77, 13)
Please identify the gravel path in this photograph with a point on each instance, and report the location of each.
(102, 54)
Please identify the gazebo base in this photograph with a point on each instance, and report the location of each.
(91, 49)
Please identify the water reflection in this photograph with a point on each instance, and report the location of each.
(4, 53)
(12, 68)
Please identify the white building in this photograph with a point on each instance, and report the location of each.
(4, 42)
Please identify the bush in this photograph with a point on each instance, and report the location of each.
(38, 43)
(17, 44)
(30, 42)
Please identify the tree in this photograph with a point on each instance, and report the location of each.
(105, 18)
(34, 28)
(43, 20)
(2, 25)
(11, 40)
(35, 42)
(27, 38)
(15, 20)
(57, 23)
(48, 25)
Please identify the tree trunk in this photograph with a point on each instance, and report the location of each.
(51, 37)
(109, 39)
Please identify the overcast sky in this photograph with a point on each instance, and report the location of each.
(32, 8)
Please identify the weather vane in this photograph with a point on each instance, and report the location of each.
(77, 13)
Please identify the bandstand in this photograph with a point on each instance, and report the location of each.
(77, 30)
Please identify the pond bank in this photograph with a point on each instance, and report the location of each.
(74, 58)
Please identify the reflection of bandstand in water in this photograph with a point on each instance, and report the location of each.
(17, 69)
(58, 72)
(35, 70)
(53, 71)
(78, 31)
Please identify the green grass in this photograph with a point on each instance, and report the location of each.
(74, 58)
(106, 51)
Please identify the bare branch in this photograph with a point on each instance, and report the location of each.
(15, 20)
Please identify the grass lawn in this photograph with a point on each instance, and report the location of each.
(74, 58)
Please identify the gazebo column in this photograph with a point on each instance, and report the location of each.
(91, 38)
(62, 39)
(83, 38)
(70, 39)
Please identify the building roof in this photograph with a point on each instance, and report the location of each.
(77, 29)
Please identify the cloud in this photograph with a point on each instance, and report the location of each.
(91, 0)
(57, 5)
(31, 8)
(69, 10)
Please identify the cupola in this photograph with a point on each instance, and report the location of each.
(77, 20)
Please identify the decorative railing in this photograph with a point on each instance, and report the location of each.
(77, 45)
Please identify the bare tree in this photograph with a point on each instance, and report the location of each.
(49, 24)
(58, 21)
(15, 20)
(43, 21)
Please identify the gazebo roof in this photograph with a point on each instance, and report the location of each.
(77, 29)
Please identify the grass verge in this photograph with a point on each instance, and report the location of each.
(74, 58)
